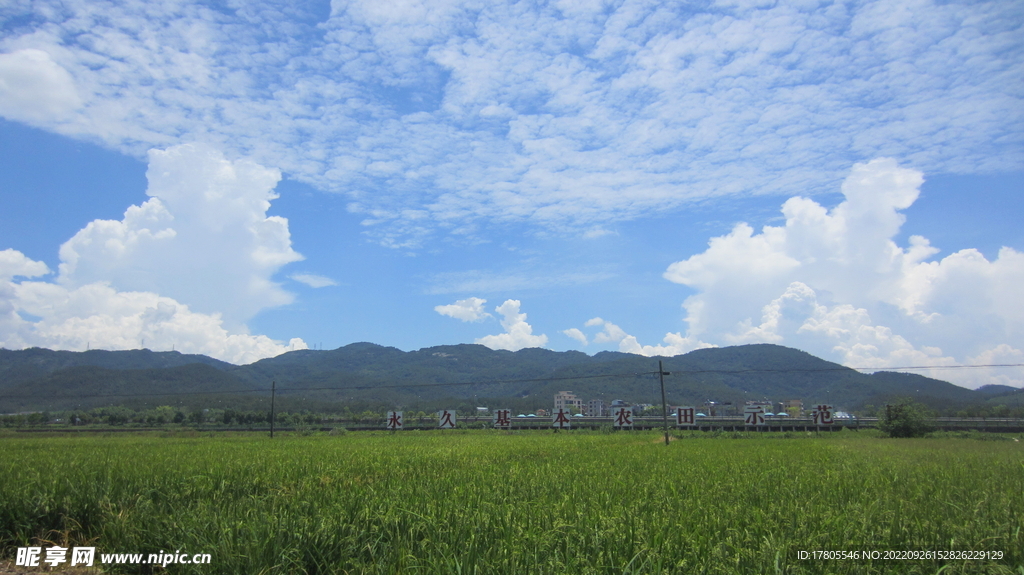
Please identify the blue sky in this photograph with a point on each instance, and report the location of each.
(241, 179)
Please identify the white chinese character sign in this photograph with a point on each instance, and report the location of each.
(622, 417)
(560, 419)
(56, 555)
(394, 421)
(753, 415)
(684, 416)
(823, 415)
(502, 418)
(28, 556)
(446, 419)
(83, 556)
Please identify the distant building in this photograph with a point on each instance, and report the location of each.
(619, 403)
(596, 408)
(568, 401)
(793, 407)
(716, 409)
(766, 406)
(542, 413)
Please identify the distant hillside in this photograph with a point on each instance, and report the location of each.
(374, 375)
(87, 386)
(996, 390)
(28, 364)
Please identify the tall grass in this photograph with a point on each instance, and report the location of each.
(443, 502)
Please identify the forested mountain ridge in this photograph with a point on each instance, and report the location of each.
(368, 374)
(16, 365)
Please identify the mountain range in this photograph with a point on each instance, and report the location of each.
(365, 375)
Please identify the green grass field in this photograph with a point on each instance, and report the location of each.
(524, 503)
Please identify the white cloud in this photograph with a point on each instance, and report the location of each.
(470, 309)
(35, 89)
(185, 269)
(610, 333)
(595, 233)
(834, 282)
(518, 334)
(437, 115)
(98, 316)
(313, 280)
(14, 264)
(1000, 355)
(796, 317)
(203, 237)
(528, 278)
(675, 343)
(576, 334)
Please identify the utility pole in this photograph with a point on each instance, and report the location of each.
(273, 392)
(664, 404)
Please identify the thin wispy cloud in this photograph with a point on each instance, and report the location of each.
(484, 281)
(313, 280)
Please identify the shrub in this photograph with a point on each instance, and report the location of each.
(905, 420)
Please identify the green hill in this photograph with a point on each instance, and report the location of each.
(25, 365)
(366, 374)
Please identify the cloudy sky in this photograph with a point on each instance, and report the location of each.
(243, 178)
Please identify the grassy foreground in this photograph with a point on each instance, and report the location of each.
(489, 502)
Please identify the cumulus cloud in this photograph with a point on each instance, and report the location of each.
(313, 280)
(674, 343)
(1000, 355)
(203, 237)
(797, 318)
(518, 334)
(184, 269)
(834, 282)
(14, 264)
(45, 314)
(576, 334)
(470, 309)
(435, 116)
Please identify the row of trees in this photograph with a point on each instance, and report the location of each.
(975, 410)
(901, 418)
(163, 415)
(167, 415)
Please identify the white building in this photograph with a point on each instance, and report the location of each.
(568, 401)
